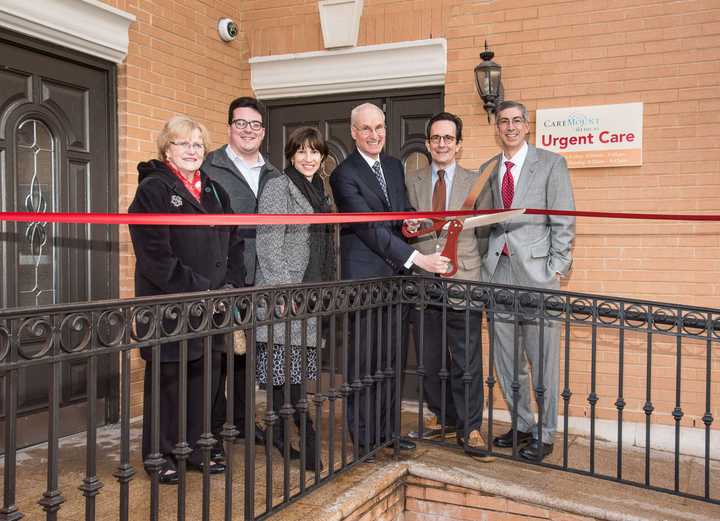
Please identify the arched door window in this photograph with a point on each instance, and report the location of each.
(415, 160)
(35, 156)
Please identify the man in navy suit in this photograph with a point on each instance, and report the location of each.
(370, 181)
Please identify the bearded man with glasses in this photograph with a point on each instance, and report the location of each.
(241, 170)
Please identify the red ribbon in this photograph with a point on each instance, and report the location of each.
(238, 219)
(244, 219)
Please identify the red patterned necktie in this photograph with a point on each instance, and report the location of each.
(508, 192)
(439, 191)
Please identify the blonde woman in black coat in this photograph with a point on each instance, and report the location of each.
(179, 259)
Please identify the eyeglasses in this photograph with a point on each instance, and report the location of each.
(516, 121)
(243, 123)
(367, 131)
(196, 147)
(435, 139)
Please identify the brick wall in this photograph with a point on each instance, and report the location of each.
(554, 53)
(387, 505)
(557, 54)
(421, 499)
(429, 500)
(176, 64)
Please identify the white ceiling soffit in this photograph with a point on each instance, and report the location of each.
(372, 67)
(88, 26)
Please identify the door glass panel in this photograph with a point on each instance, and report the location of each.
(415, 161)
(328, 166)
(35, 156)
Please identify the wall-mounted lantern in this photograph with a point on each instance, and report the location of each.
(488, 82)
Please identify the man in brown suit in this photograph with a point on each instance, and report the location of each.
(444, 185)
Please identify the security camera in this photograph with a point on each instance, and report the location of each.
(227, 29)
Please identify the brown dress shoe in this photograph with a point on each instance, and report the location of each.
(432, 429)
(475, 440)
(475, 446)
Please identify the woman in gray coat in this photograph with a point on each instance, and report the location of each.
(291, 254)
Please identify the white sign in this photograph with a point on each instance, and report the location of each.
(591, 137)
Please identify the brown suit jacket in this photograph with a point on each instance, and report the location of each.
(472, 243)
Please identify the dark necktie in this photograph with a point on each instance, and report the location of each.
(508, 192)
(439, 191)
(381, 179)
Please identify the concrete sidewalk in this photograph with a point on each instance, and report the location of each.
(570, 492)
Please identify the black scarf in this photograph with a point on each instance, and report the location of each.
(321, 266)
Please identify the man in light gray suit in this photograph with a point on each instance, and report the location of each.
(529, 250)
(444, 185)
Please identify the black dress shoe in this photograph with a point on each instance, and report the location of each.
(407, 444)
(217, 454)
(536, 451)
(214, 468)
(169, 476)
(259, 436)
(506, 440)
(310, 464)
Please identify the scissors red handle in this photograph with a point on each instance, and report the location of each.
(450, 250)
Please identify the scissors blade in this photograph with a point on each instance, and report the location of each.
(488, 219)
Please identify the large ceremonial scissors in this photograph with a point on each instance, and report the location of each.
(453, 226)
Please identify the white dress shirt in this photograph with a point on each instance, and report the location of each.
(518, 161)
(251, 173)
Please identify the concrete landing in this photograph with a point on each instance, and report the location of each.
(573, 494)
(522, 482)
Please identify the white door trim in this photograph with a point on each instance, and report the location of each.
(87, 26)
(372, 67)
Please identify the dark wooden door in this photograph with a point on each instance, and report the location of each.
(406, 113)
(405, 116)
(57, 154)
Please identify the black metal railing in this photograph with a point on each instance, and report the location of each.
(361, 376)
(656, 340)
(618, 360)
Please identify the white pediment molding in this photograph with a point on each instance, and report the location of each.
(89, 26)
(371, 67)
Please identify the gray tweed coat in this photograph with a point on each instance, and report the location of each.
(283, 253)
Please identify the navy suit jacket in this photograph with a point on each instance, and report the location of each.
(371, 249)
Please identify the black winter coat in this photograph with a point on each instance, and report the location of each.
(179, 259)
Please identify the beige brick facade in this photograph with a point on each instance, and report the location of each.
(429, 500)
(554, 54)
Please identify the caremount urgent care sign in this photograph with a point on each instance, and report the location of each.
(592, 137)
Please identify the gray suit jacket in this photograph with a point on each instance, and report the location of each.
(220, 168)
(472, 243)
(540, 245)
(283, 252)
